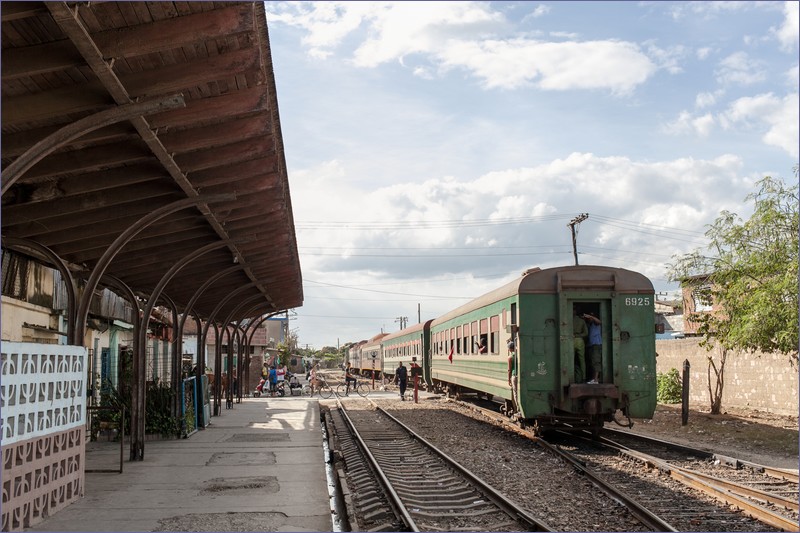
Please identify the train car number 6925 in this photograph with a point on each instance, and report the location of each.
(637, 301)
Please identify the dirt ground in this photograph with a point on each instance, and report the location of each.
(756, 436)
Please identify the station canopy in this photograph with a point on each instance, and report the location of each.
(115, 111)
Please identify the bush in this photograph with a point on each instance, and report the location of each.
(669, 387)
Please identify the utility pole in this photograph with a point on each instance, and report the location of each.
(419, 313)
(577, 220)
(403, 321)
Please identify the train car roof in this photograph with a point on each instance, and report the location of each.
(377, 340)
(406, 331)
(553, 280)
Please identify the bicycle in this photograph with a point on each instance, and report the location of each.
(325, 390)
(361, 387)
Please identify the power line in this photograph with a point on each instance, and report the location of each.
(390, 292)
(422, 224)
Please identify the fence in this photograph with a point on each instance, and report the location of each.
(765, 382)
(43, 401)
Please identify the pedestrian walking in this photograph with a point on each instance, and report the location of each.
(401, 377)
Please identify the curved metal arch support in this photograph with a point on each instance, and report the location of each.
(200, 371)
(243, 365)
(56, 140)
(206, 284)
(138, 378)
(212, 317)
(61, 266)
(229, 322)
(124, 238)
(138, 409)
(244, 348)
(175, 360)
(232, 370)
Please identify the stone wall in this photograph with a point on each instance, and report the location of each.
(764, 382)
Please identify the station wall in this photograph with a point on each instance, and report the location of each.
(764, 382)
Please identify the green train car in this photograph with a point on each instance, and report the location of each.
(407, 346)
(469, 347)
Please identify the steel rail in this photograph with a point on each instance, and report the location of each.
(743, 490)
(644, 515)
(497, 498)
(733, 462)
(725, 491)
(394, 499)
(733, 487)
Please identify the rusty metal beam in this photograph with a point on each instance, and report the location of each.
(113, 250)
(138, 408)
(73, 28)
(74, 130)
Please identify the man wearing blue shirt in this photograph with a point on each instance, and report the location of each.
(595, 345)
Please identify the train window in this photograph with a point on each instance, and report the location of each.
(513, 314)
(494, 328)
(474, 338)
(458, 339)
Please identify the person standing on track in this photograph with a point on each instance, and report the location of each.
(401, 377)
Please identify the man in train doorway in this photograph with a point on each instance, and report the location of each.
(512, 371)
(579, 331)
(595, 344)
(401, 376)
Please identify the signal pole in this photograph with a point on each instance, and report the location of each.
(577, 220)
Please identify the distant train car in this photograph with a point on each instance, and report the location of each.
(469, 346)
(354, 354)
(372, 357)
(407, 345)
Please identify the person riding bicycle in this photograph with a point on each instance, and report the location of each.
(349, 377)
(313, 381)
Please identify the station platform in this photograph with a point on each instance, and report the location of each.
(257, 467)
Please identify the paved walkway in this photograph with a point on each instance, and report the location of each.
(258, 467)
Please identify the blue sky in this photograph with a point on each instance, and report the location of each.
(436, 150)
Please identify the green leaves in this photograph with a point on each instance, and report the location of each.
(750, 273)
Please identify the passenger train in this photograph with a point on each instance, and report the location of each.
(530, 320)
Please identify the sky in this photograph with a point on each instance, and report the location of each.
(436, 150)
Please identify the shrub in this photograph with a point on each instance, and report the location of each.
(669, 387)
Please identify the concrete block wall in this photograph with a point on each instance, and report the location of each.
(764, 382)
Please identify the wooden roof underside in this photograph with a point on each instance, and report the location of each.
(206, 69)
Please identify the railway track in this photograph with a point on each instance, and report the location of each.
(681, 486)
(767, 494)
(397, 481)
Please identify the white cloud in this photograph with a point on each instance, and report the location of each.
(787, 34)
(667, 58)
(777, 115)
(739, 69)
(540, 10)
(793, 77)
(641, 213)
(616, 66)
(703, 53)
(686, 123)
(470, 36)
(706, 99)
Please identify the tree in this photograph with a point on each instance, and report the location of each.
(751, 275)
